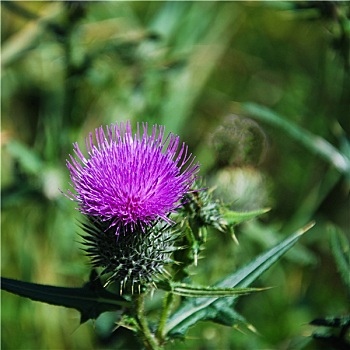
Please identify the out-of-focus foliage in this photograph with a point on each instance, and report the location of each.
(277, 72)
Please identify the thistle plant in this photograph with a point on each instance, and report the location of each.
(128, 187)
(146, 217)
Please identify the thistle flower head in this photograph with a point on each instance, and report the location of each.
(131, 180)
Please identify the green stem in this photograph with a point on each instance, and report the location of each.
(168, 301)
(148, 339)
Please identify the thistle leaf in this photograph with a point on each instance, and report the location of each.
(231, 318)
(188, 290)
(217, 309)
(235, 217)
(334, 322)
(332, 332)
(91, 300)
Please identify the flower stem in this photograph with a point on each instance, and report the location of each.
(148, 339)
(168, 301)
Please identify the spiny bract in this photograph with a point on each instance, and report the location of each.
(132, 260)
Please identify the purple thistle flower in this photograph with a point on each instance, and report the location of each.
(130, 181)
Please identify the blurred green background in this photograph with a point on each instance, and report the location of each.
(259, 91)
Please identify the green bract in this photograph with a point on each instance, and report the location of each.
(132, 260)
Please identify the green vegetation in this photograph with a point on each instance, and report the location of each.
(259, 91)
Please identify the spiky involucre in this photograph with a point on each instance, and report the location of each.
(132, 260)
(130, 181)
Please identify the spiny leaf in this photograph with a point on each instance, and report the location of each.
(234, 217)
(188, 290)
(231, 318)
(192, 311)
(334, 332)
(91, 300)
(334, 322)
